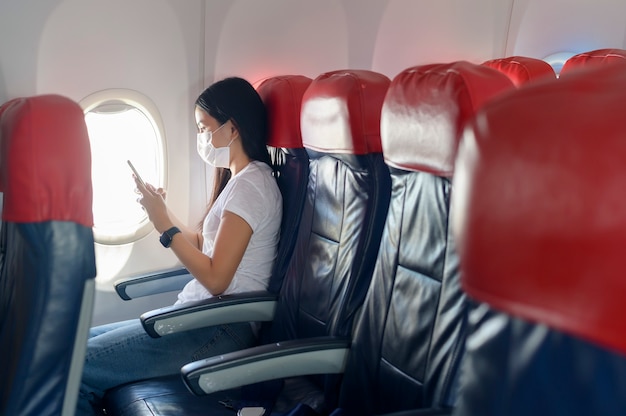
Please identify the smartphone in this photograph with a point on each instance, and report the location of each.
(136, 173)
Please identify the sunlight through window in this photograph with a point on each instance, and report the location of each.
(557, 60)
(120, 131)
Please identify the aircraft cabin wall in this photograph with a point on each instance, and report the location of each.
(167, 51)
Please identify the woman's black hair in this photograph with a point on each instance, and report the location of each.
(235, 99)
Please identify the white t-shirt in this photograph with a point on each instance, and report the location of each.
(253, 195)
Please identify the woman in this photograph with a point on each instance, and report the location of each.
(234, 251)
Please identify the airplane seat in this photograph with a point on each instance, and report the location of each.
(282, 96)
(343, 218)
(522, 69)
(540, 222)
(409, 338)
(345, 205)
(47, 259)
(593, 58)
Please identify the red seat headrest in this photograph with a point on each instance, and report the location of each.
(522, 69)
(539, 204)
(45, 161)
(341, 112)
(593, 58)
(282, 96)
(426, 108)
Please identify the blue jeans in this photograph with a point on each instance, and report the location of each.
(122, 352)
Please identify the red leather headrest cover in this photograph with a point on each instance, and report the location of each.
(540, 208)
(592, 58)
(426, 108)
(522, 69)
(282, 96)
(45, 161)
(341, 112)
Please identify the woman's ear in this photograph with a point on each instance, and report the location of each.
(234, 131)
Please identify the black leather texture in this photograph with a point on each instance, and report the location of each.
(409, 340)
(44, 267)
(514, 367)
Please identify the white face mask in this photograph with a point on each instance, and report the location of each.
(214, 156)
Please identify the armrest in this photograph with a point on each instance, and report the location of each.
(324, 355)
(153, 283)
(241, 307)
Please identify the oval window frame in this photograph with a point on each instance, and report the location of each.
(147, 107)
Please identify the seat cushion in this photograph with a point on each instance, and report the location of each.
(166, 396)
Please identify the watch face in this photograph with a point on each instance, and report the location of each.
(165, 239)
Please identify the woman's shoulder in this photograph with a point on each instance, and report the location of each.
(259, 175)
(255, 195)
(258, 166)
(259, 171)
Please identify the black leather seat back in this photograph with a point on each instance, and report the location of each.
(409, 339)
(47, 262)
(541, 228)
(282, 96)
(345, 207)
(344, 211)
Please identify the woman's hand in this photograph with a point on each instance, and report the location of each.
(153, 201)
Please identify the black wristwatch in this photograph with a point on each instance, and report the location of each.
(166, 237)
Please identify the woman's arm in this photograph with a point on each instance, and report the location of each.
(231, 241)
(215, 273)
(193, 236)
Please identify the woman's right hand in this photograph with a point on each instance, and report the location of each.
(153, 201)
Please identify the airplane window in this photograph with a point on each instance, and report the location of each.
(123, 125)
(557, 60)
